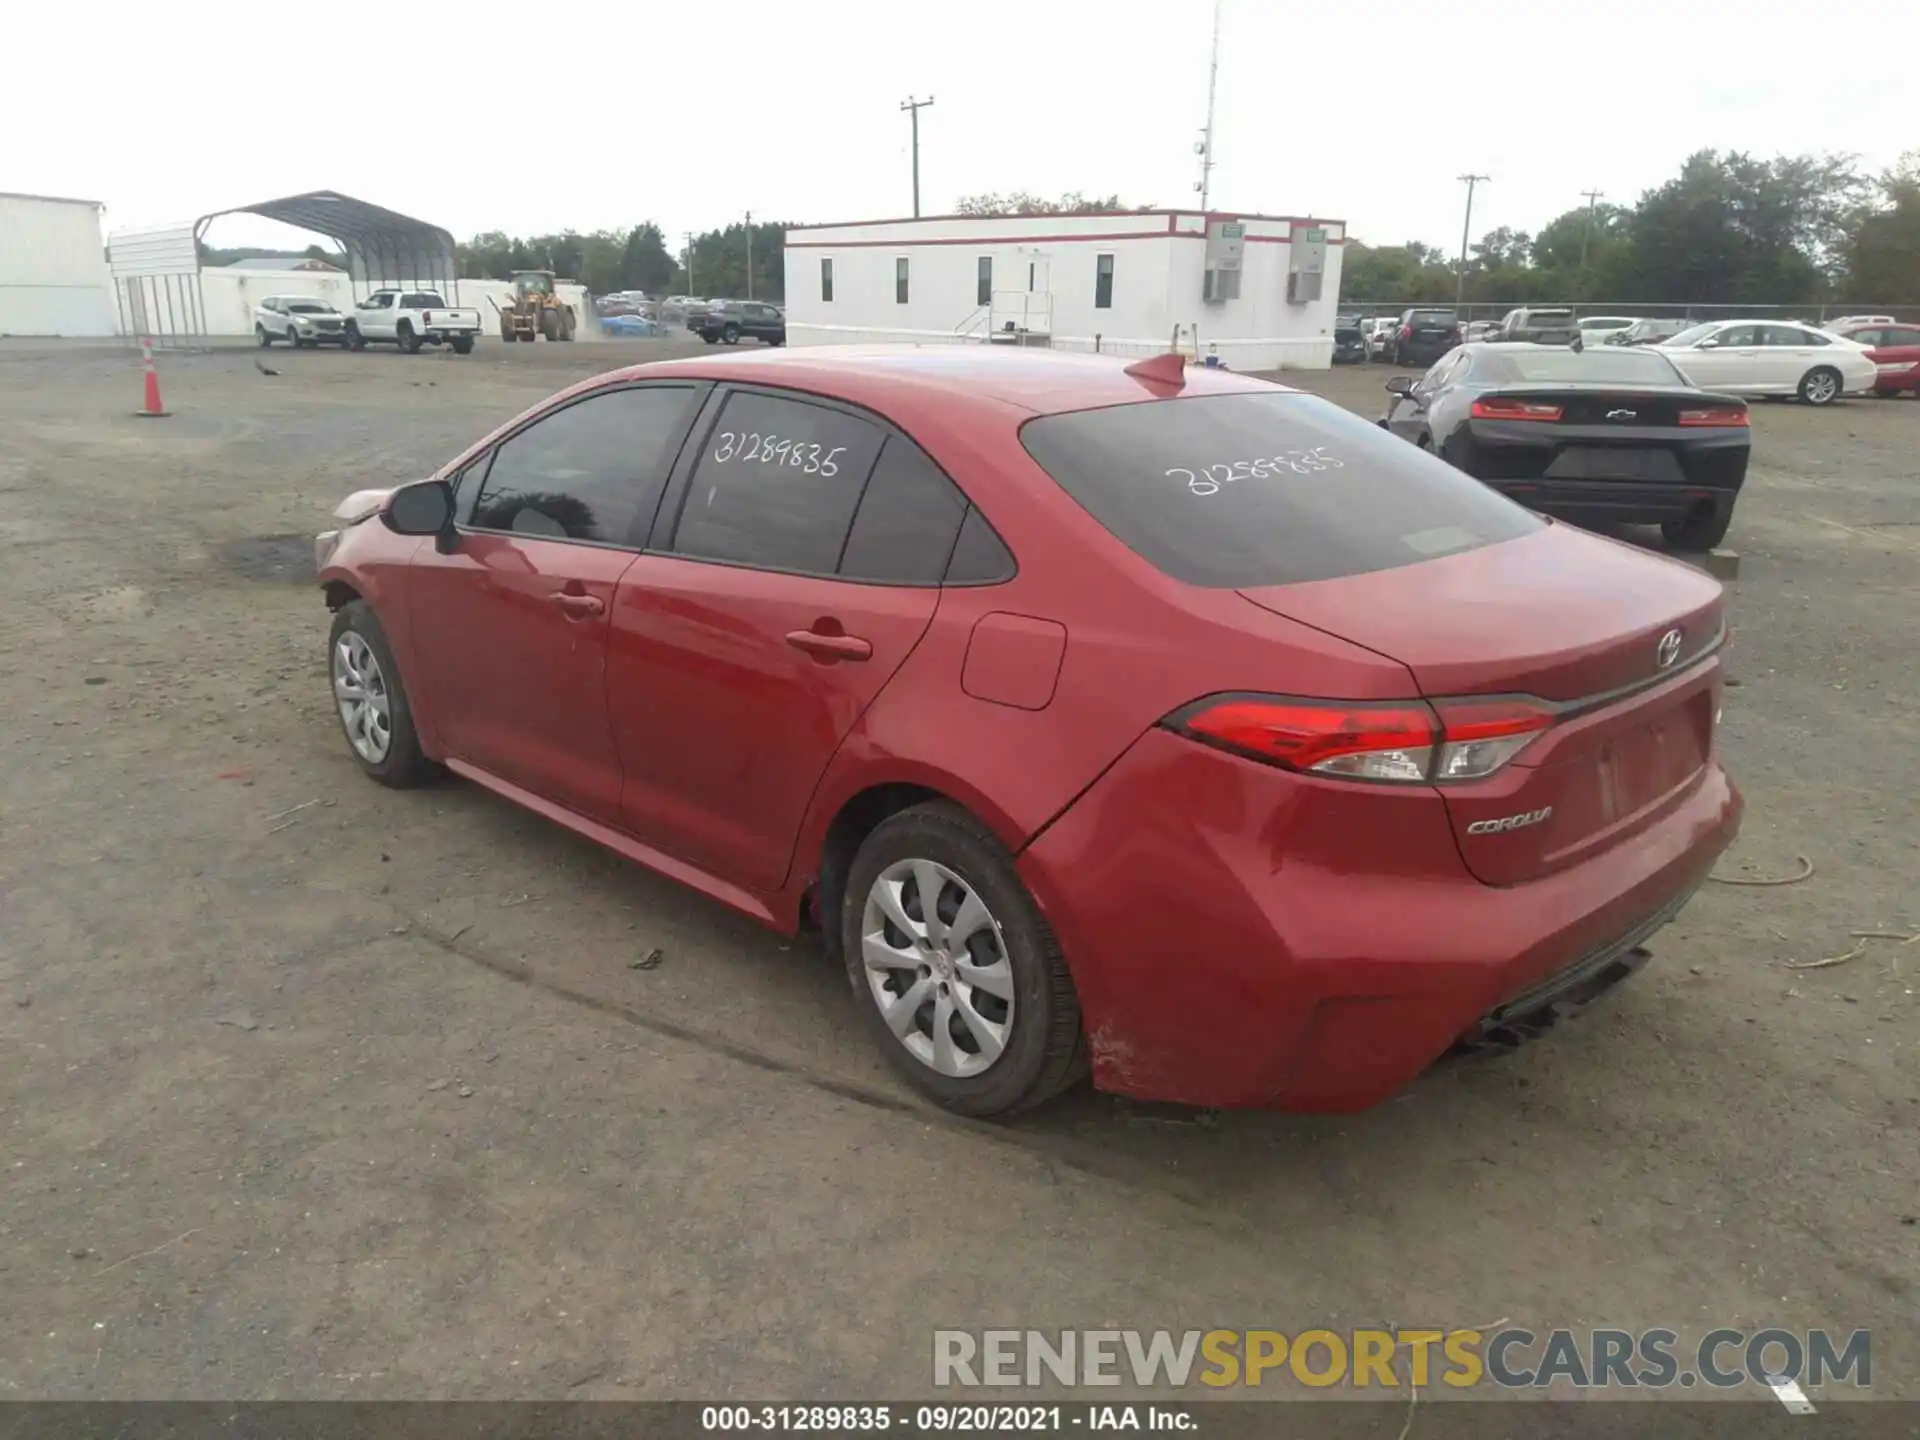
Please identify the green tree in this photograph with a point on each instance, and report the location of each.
(1408, 274)
(1882, 253)
(1020, 202)
(645, 263)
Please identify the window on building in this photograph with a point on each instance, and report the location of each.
(983, 289)
(826, 280)
(900, 281)
(1103, 282)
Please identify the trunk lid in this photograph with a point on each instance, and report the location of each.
(1569, 618)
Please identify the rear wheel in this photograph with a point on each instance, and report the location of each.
(1880, 393)
(355, 340)
(409, 341)
(731, 334)
(1701, 530)
(959, 978)
(1821, 386)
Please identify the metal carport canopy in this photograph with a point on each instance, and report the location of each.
(383, 247)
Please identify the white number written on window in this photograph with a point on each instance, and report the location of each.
(802, 455)
(1211, 479)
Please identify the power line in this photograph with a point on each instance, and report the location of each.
(749, 254)
(914, 107)
(1466, 228)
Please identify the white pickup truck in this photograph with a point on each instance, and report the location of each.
(410, 319)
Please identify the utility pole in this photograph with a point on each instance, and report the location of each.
(913, 107)
(1466, 229)
(1205, 147)
(689, 235)
(749, 254)
(1587, 234)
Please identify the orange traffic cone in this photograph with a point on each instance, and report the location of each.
(150, 409)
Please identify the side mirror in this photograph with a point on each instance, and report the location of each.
(424, 509)
(1400, 385)
(1712, 342)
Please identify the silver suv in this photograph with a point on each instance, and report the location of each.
(299, 320)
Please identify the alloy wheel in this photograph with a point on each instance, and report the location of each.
(937, 968)
(360, 690)
(1821, 388)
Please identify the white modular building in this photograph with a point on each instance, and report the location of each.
(53, 267)
(1257, 292)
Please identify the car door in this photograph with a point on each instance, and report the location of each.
(795, 566)
(510, 623)
(1897, 355)
(1408, 418)
(1730, 363)
(1786, 354)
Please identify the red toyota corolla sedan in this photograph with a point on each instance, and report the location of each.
(1147, 720)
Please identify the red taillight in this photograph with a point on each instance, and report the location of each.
(1494, 408)
(426, 317)
(1481, 735)
(1724, 415)
(1397, 740)
(1406, 332)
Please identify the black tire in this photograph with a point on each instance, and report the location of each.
(260, 334)
(1880, 393)
(709, 338)
(409, 341)
(404, 764)
(1046, 1050)
(1697, 533)
(776, 340)
(1821, 385)
(730, 333)
(463, 345)
(355, 340)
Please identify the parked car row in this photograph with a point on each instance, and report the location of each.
(409, 319)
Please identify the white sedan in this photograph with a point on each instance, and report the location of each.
(1771, 357)
(1596, 329)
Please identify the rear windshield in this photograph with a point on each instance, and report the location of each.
(1613, 365)
(1229, 491)
(1550, 317)
(1431, 317)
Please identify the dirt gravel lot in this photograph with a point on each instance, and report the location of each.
(312, 1089)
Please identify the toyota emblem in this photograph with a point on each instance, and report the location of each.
(1669, 649)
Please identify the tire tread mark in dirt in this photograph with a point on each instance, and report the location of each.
(1049, 1149)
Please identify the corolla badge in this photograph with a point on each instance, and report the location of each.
(1510, 822)
(1668, 650)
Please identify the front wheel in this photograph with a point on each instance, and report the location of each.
(731, 334)
(960, 980)
(262, 337)
(409, 341)
(371, 702)
(1821, 386)
(355, 340)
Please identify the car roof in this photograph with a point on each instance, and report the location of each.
(1033, 381)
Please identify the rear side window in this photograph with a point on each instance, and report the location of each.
(908, 519)
(1265, 489)
(980, 557)
(587, 472)
(776, 485)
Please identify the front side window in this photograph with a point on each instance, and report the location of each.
(1103, 282)
(900, 281)
(1738, 336)
(776, 485)
(826, 280)
(592, 471)
(1230, 491)
(381, 301)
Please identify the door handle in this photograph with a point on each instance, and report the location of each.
(579, 605)
(830, 647)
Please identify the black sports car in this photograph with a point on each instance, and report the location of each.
(1593, 436)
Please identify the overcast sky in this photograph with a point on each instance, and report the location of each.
(692, 113)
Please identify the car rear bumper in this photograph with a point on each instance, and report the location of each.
(1616, 502)
(1514, 457)
(1242, 936)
